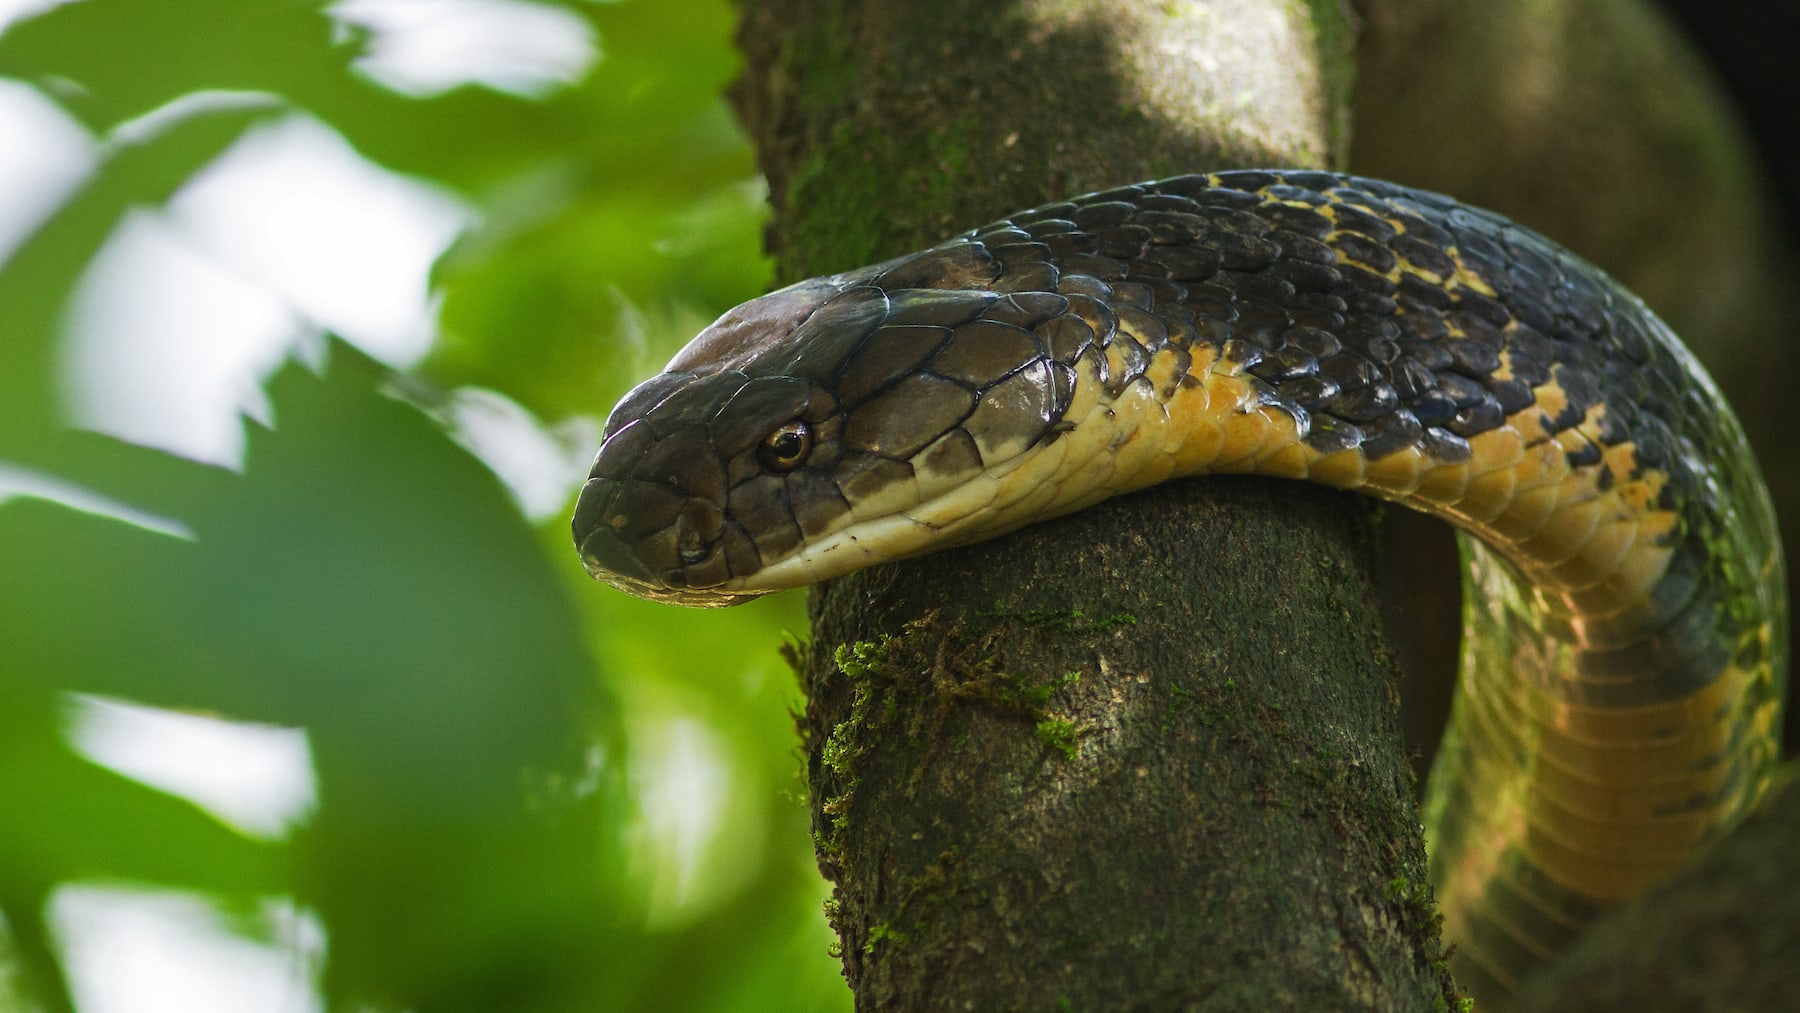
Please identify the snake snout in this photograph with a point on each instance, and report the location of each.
(650, 519)
(606, 551)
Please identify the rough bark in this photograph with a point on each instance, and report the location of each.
(1142, 757)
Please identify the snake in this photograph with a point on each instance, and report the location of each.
(1624, 646)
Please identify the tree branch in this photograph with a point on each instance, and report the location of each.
(1146, 755)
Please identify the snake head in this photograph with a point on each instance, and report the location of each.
(654, 517)
(786, 444)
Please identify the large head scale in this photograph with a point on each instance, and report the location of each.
(802, 424)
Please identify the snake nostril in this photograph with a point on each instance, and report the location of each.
(690, 548)
(697, 531)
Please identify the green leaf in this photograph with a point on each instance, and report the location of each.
(368, 580)
(36, 282)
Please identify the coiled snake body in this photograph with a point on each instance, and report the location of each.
(1625, 628)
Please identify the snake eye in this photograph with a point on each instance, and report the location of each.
(784, 449)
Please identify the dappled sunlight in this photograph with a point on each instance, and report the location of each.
(542, 466)
(162, 951)
(16, 482)
(426, 47)
(36, 176)
(685, 785)
(257, 778)
(167, 349)
(348, 244)
(357, 664)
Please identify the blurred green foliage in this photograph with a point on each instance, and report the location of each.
(479, 714)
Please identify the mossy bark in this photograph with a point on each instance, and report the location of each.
(1143, 757)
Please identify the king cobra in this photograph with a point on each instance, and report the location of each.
(1624, 642)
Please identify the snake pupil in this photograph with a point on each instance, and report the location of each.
(786, 447)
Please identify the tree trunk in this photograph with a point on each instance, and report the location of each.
(1145, 756)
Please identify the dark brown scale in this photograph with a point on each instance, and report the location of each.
(1285, 365)
(1389, 433)
(1084, 285)
(1022, 255)
(1423, 255)
(1354, 219)
(815, 500)
(1214, 300)
(1477, 418)
(907, 416)
(646, 396)
(1311, 392)
(1296, 248)
(1043, 228)
(1257, 290)
(1414, 293)
(956, 454)
(1303, 315)
(1242, 353)
(1512, 395)
(1067, 244)
(1169, 202)
(1093, 265)
(1471, 356)
(1304, 277)
(761, 505)
(1384, 350)
(965, 265)
(1066, 337)
(1015, 413)
(1433, 408)
(1584, 455)
(1214, 331)
(1263, 323)
(1349, 370)
(1430, 354)
(1241, 252)
(1444, 445)
(1035, 277)
(930, 307)
(1134, 360)
(1141, 271)
(1530, 354)
(886, 356)
(1312, 340)
(1003, 235)
(1226, 197)
(861, 474)
(1026, 309)
(1364, 404)
(1123, 241)
(1170, 228)
(1145, 327)
(1423, 324)
(1135, 294)
(983, 351)
(1304, 222)
(1102, 215)
(1329, 435)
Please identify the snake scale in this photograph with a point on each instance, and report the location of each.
(1624, 644)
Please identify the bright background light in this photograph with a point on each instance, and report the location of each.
(173, 329)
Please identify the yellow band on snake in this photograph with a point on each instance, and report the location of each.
(1625, 642)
